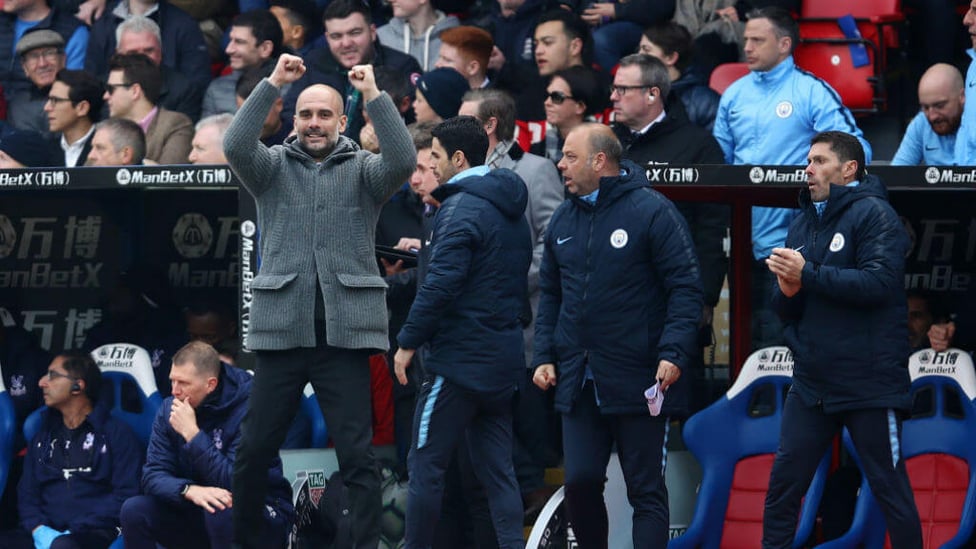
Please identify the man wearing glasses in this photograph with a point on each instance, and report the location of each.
(72, 108)
(41, 55)
(80, 466)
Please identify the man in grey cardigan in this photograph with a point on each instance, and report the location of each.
(318, 308)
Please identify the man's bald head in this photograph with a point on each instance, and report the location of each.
(319, 120)
(941, 95)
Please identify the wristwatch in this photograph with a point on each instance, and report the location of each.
(186, 488)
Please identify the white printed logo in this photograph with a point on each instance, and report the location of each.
(561, 241)
(618, 238)
(837, 243)
(756, 174)
(784, 109)
(123, 176)
(248, 228)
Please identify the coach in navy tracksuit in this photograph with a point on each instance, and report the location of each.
(467, 311)
(621, 302)
(187, 478)
(841, 296)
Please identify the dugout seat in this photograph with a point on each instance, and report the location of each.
(735, 440)
(725, 74)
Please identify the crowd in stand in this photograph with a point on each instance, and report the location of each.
(128, 82)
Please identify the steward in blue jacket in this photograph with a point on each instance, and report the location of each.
(190, 461)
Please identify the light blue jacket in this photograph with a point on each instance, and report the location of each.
(769, 118)
(921, 145)
(966, 140)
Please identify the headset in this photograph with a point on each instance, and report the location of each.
(76, 387)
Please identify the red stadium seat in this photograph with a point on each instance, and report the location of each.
(726, 73)
(735, 440)
(827, 52)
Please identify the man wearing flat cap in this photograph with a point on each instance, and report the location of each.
(41, 54)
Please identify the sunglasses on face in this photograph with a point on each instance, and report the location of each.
(557, 97)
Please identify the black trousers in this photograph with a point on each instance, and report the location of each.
(340, 378)
(805, 435)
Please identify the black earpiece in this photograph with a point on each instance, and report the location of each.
(76, 387)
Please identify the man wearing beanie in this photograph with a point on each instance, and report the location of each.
(25, 149)
(439, 94)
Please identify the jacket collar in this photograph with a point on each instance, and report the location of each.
(775, 75)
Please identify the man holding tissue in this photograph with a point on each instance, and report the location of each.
(619, 312)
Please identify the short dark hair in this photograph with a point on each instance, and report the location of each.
(465, 134)
(395, 83)
(341, 9)
(782, 20)
(202, 356)
(573, 27)
(653, 72)
(264, 26)
(81, 366)
(672, 37)
(845, 146)
(420, 133)
(125, 132)
(586, 86)
(493, 102)
(138, 69)
(250, 78)
(471, 41)
(83, 86)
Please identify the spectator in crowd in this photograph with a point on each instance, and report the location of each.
(213, 321)
(467, 50)
(921, 316)
(41, 54)
(620, 309)
(187, 500)
(415, 29)
(672, 44)
(841, 272)
(183, 48)
(351, 37)
(778, 107)
(402, 92)
(274, 131)
(73, 106)
(561, 40)
(439, 94)
(117, 142)
(132, 92)
(930, 139)
(27, 149)
(19, 17)
(617, 26)
(965, 149)
(139, 34)
(512, 24)
(320, 323)
(255, 41)
(298, 22)
(535, 444)
(653, 136)
(207, 146)
(480, 252)
(574, 95)
(80, 466)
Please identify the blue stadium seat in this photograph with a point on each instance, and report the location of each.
(125, 366)
(735, 441)
(310, 407)
(8, 422)
(936, 444)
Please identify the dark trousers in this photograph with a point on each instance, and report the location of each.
(588, 439)
(93, 539)
(465, 520)
(148, 520)
(448, 414)
(341, 381)
(805, 435)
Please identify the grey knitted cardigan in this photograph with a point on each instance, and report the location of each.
(317, 220)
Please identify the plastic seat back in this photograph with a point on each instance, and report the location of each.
(735, 440)
(8, 422)
(725, 74)
(129, 381)
(310, 407)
